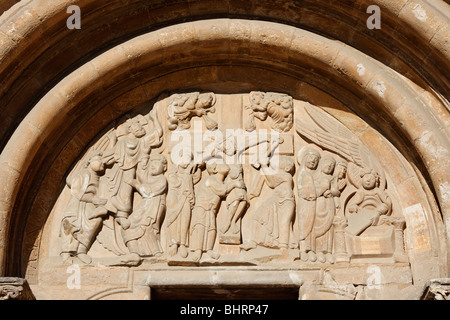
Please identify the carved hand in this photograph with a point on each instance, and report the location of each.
(99, 201)
(327, 194)
(251, 196)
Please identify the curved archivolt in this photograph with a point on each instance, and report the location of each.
(232, 56)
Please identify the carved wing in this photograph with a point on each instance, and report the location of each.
(106, 142)
(332, 135)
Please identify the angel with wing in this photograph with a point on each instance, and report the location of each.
(364, 171)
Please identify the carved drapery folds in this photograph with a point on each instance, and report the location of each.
(309, 193)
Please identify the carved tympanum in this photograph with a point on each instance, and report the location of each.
(312, 199)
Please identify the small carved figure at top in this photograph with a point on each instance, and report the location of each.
(279, 107)
(84, 213)
(182, 107)
(368, 204)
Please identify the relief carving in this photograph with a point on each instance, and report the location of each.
(368, 203)
(279, 107)
(180, 202)
(142, 236)
(182, 107)
(370, 200)
(132, 195)
(236, 204)
(83, 216)
(207, 201)
(272, 223)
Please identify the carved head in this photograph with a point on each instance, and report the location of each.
(310, 158)
(205, 100)
(235, 171)
(327, 164)
(256, 97)
(217, 168)
(95, 162)
(136, 128)
(341, 168)
(286, 164)
(158, 164)
(369, 178)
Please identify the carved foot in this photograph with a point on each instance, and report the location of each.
(172, 250)
(330, 258)
(83, 257)
(321, 257)
(312, 256)
(195, 256)
(304, 256)
(248, 245)
(214, 255)
(183, 251)
(309, 256)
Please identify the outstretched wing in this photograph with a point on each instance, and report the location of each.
(332, 135)
(346, 148)
(104, 143)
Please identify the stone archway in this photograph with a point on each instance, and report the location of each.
(64, 122)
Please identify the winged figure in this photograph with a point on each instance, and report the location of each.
(332, 135)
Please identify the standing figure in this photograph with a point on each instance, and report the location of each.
(237, 203)
(126, 155)
(325, 209)
(142, 237)
(306, 208)
(84, 214)
(339, 183)
(207, 203)
(180, 202)
(272, 221)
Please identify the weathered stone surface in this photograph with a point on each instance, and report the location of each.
(343, 194)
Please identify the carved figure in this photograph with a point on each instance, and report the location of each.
(143, 234)
(207, 202)
(182, 107)
(180, 202)
(307, 196)
(85, 211)
(272, 222)
(339, 183)
(126, 155)
(236, 202)
(279, 107)
(325, 210)
(332, 135)
(368, 203)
